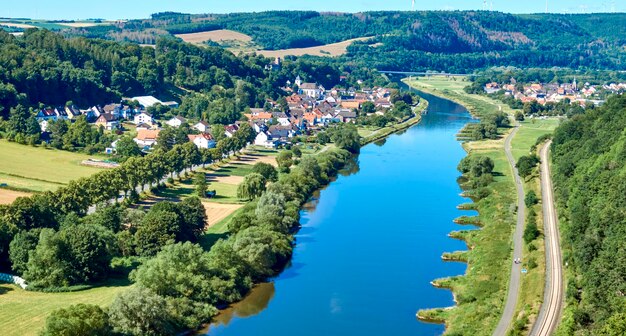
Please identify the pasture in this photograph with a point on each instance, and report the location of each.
(218, 36)
(329, 50)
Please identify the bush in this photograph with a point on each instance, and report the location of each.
(531, 232)
(78, 320)
(531, 199)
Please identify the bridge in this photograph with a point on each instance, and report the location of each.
(426, 73)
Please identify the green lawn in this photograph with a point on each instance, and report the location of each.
(24, 313)
(38, 169)
(236, 169)
(529, 132)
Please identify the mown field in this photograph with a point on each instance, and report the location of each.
(37, 169)
(331, 50)
(24, 313)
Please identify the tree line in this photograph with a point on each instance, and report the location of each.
(180, 288)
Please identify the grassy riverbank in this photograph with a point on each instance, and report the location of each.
(481, 292)
(368, 135)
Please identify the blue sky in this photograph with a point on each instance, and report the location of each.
(123, 9)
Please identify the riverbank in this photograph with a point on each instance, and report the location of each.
(481, 292)
(388, 130)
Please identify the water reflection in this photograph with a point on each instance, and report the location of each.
(256, 301)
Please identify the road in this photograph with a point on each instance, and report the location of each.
(516, 269)
(550, 312)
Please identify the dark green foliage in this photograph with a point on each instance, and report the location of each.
(78, 320)
(126, 147)
(476, 165)
(526, 164)
(284, 160)
(21, 245)
(531, 231)
(345, 136)
(199, 180)
(531, 199)
(266, 170)
(139, 311)
(253, 186)
(519, 116)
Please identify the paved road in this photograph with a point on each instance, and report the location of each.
(550, 312)
(514, 282)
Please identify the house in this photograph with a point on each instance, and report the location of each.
(170, 104)
(310, 90)
(229, 130)
(114, 109)
(147, 101)
(346, 116)
(108, 121)
(265, 140)
(91, 114)
(282, 132)
(146, 138)
(46, 114)
(351, 104)
(176, 121)
(72, 112)
(143, 118)
(281, 118)
(61, 114)
(258, 115)
(202, 127)
(203, 140)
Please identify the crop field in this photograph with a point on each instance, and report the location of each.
(215, 36)
(330, 50)
(38, 169)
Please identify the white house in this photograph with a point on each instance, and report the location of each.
(108, 121)
(47, 115)
(202, 127)
(203, 140)
(311, 90)
(265, 140)
(176, 121)
(229, 130)
(143, 118)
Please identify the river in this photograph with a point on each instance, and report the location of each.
(371, 243)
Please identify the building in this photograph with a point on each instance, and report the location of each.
(202, 140)
(176, 121)
(147, 101)
(202, 126)
(310, 90)
(46, 114)
(143, 118)
(229, 130)
(109, 121)
(146, 138)
(265, 140)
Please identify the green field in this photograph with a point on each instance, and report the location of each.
(24, 312)
(40, 169)
(530, 130)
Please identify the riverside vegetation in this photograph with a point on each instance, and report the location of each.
(488, 180)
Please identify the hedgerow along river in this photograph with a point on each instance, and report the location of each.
(371, 243)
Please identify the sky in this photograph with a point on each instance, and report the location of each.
(134, 9)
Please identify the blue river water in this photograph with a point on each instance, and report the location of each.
(371, 243)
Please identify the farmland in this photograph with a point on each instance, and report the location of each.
(215, 36)
(331, 50)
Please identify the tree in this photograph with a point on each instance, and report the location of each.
(139, 311)
(91, 248)
(127, 147)
(253, 186)
(476, 165)
(368, 107)
(526, 164)
(519, 116)
(157, 229)
(194, 219)
(78, 320)
(284, 160)
(323, 138)
(263, 250)
(201, 186)
(531, 231)
(267, 170)
(531, 198)
(48, 265)
(345, 136)
(297, 152)
(21, 245)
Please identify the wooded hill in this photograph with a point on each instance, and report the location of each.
(589, 154)
(457, 41)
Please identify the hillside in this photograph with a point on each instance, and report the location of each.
(589, 157)
(458, 41)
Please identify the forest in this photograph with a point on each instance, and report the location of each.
(589, 155)
(452, 41)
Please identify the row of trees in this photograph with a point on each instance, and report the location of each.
(180, 288)
(48, 209)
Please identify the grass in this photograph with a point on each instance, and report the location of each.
(481, 292)
(24, 312)
(237, 169)
(40, 169)
(327, 50)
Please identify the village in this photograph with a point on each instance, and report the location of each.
(307, 111)
(544, 93)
